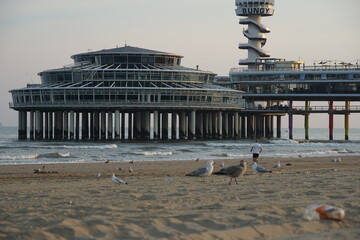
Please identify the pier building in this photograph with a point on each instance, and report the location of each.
(272, 85)
(127, 93)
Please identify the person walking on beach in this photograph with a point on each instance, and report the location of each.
(256, 149)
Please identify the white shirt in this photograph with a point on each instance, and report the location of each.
(256, 148)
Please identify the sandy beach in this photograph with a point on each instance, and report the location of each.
(159, 202)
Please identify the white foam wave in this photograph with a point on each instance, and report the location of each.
(108, 146)
(154, 153)
(20, 157)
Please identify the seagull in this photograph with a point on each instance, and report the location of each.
(278, 165)
(117, 180)
(39, 170)
(203, 171)
(222, 164)
(131, 170)
(233, 171)
(335, 160)
(259, 169)
(132, 161)
(197, 159)
(98, 175)
(120, 169)
(107, 161)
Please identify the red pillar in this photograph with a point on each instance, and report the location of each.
(331, 120)
(290, 121)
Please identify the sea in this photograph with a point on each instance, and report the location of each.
(15, 152)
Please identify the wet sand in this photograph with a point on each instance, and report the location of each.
(161, 203)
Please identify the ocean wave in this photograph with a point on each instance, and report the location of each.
(154, 153)
(54, 155)
(108, 146)
(228, 155)
(20, 157)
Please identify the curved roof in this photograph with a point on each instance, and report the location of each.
(127, 50)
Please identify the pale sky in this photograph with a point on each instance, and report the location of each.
(42, 34)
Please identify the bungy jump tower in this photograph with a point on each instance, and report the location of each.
(255, 32)
(272, 85)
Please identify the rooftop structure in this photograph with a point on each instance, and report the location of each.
(128, 86)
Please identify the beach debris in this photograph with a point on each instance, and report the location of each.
(107, 161)
(335, 170)
(121, 169)
(168, 179)
(98, 175)
(321, 212)
(131, 170)
(335, 160)
(278, 165)
(288, 164)
(233, 171)
(203, 171)
(117, 180)
(222, 164)
(39, 170)
(259, 169)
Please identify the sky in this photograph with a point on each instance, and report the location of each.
(38, 35)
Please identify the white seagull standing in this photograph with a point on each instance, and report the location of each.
(278, 165)
(203, 171)
(117, 180)
(259, 169)
(98, 175)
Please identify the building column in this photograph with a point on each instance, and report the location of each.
(219, 126)
(103, 125)
(66, 125)
(137, 125)
(243, 126)
(58, 125)
(77, 126)
(173, 125)
(72, 128)
(145, 125)
(22, 125)
(165, 126)
(123, 126)
(225, 125)
(236, 126)
(51, 125)
(110, 126)
(117, 124)
(182, 125)
(192, 125)
(84, 125)
(96, 125)
(156, 125)
(46, 123)
(32, 132)
(38, 125)
(130, 125)
(278, 126)
(346, 120)
(215, 120)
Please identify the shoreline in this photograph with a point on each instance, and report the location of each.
(161, 203)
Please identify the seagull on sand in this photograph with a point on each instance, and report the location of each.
(39, 170)
(98, 175)
(278, 165)
(107, 161)
(117, 180)
(131, 170)
(222, 164)
(203, 171)
(259, 169)
(335, 160)
(233, 171)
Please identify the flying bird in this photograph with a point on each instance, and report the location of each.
(278, 165)
(203, 171)
(117, 180)
(259, 169)
(233, 171)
